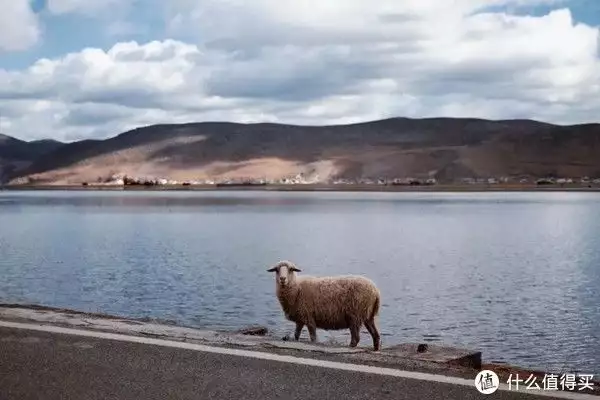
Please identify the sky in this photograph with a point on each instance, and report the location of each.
(80, 69)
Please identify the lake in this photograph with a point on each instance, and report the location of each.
(515, 275)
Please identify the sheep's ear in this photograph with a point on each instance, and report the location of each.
(272, 269)
(296, 269)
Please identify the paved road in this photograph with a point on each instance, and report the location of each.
(42, 365)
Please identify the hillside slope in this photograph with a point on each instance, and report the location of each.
(16, 154)
(446, 148)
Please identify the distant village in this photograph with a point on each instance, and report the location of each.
(300, 179)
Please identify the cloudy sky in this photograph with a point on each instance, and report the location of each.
(74, 69)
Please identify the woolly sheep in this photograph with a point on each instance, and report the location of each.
(328, 303)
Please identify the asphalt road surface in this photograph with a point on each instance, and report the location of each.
(42, 365)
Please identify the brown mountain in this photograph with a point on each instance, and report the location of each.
(15, 154)
(445, 148)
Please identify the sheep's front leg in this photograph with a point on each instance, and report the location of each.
(354, 334)
(299, 326)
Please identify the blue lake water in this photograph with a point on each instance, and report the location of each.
(516, 275)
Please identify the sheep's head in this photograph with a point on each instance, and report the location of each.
(285, 272)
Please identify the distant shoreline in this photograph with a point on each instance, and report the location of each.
(319, 188)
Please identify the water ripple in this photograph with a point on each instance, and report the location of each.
(515, 275)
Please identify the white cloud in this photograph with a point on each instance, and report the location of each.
(19, 26)
(313, 21)
(310, 62)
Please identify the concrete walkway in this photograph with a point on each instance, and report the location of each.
(43, 357)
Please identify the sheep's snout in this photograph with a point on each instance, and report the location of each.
(283, 280)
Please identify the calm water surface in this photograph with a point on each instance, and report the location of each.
(513, 274)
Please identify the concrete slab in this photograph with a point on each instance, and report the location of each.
(67, 318)
(438, 354)
(430, 358)
(321, 348)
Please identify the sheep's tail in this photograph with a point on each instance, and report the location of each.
(375, 310)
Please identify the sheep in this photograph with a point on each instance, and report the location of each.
(328, 303)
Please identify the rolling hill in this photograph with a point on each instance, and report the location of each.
(448, 149)
(16, 155)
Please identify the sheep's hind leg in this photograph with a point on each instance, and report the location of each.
(299, 326)
(312, 331)
(354, 334)
(372, 328)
